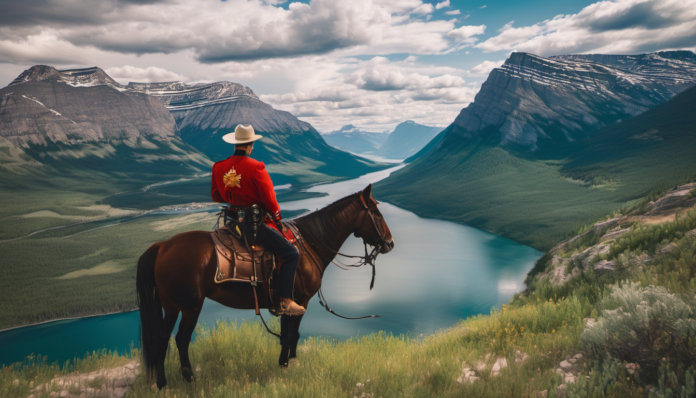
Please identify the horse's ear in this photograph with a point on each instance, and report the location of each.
(367, 192)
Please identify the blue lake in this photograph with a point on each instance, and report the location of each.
(438, 274)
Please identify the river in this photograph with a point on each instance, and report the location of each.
(438, 273)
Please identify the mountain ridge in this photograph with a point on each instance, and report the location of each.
(46, 105)
(536, 101)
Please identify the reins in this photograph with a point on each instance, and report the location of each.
(368, 258)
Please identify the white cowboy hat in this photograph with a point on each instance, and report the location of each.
(243, 134)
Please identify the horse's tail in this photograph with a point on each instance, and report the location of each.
(151, 321)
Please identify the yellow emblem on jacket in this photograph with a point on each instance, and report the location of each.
(232, 180)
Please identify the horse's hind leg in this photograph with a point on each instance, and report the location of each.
(170, 317)
(183, 339)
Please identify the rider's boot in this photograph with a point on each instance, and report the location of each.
(291, 308)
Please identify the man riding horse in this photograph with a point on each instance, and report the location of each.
(242, 182)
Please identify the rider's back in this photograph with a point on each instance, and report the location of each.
(243, 181)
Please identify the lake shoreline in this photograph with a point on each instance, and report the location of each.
(68, 319)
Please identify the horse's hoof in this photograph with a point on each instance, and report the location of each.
(157, 386)
(187, 374)
(283, 365)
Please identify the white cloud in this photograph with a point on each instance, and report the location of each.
(378, 74)
(414, 37)
(444, 4)
(509, 37)
(234, 30)
(399, 6)
(485, 67)
(453, 12)
(150, 74)
(482, 7)
(42, 48)
(377, 92)
(619, 26)
(466, 32)
(423, 9)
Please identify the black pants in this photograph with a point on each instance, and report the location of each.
(274, 241)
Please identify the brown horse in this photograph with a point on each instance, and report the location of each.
(176, 276)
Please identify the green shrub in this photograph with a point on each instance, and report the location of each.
(644, 325)
(648, 237)
(671, 385)
(606, 379)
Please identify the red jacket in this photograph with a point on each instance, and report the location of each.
(243, 181)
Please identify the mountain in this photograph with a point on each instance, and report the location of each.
(535, 103)
(292, 149)
(82, 118)
(407, 138)
(495, 182)
(44, 105)
(355, 139)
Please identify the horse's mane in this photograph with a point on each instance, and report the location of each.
(326, 223)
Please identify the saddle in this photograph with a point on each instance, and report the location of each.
(238, 261)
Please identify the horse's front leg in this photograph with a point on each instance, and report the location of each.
(294, 334)
(284, 340)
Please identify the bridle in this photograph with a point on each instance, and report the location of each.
(369, 258)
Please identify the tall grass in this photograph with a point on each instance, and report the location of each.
(240, 360)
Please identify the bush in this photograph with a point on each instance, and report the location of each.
(645, 325)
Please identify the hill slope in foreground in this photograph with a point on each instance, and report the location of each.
(535, 200)
(578, 333)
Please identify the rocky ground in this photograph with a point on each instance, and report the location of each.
(565, 263)
(111, 383)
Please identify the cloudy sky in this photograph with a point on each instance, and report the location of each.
(372, 63)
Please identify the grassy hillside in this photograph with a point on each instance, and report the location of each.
(533, 200)
(543, 344)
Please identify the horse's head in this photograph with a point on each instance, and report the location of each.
(371, 226)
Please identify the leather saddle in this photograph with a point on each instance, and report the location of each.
(239, 262)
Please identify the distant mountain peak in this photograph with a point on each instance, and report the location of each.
(353, 129)
(84, 77)
(407, 138)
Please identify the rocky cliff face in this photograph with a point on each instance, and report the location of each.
(73, 120)
(537, 102)
(44, 105)
(219, 106)
(407, 138)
